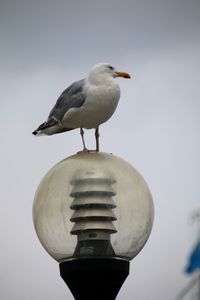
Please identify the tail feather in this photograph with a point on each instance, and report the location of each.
(49, 123)
(45, 128)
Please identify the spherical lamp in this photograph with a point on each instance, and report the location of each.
(93, 213)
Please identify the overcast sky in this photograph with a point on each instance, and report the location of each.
(45, 46)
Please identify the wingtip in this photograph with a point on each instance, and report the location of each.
(35, 132)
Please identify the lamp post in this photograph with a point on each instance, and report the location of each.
(93, 213)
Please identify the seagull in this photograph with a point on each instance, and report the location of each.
(85, 104)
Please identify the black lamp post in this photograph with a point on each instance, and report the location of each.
(93, 213)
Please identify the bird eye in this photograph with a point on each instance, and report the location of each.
(110, 67)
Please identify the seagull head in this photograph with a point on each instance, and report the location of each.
(105, 71)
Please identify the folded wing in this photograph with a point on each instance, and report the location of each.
(72, 97)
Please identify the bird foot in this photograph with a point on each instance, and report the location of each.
(87, 151)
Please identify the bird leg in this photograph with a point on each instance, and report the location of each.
(97, 138)
(82, 137)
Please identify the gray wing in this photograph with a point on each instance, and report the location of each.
(72, 97)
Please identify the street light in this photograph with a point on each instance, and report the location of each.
(93, 213)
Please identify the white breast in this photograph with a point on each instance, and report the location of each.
(99, 106)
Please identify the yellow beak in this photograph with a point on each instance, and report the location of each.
(123, 74)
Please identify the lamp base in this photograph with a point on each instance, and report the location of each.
(94, 278)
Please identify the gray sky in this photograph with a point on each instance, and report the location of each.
(46, 45)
